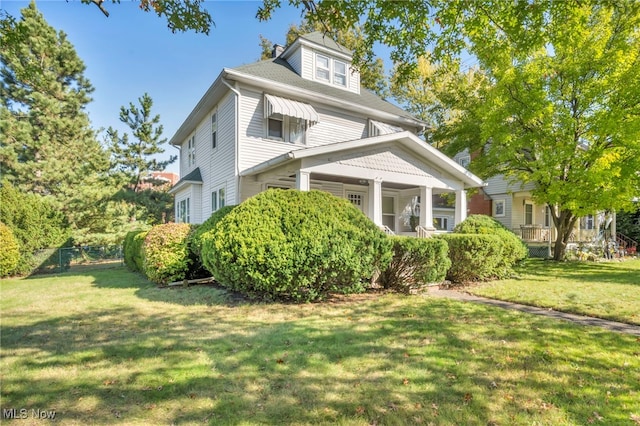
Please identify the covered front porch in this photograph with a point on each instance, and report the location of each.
(392, 179)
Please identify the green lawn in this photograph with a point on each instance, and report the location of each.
(606, 289)
(107, 347)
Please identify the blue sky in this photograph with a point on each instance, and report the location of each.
(132, 52)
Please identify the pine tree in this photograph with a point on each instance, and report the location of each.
(135, 158)
(48, 146)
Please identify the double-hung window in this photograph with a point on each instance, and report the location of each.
(323, 68)
(275, 127)
(183, 214)
(214, 130)
(191, 151)
(288, 120)
(339, 73)
(218, 199)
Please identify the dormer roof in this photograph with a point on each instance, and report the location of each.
(319, 41)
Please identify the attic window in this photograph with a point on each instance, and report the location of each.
(340, 73)
(323, 71)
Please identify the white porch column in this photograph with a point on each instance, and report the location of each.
(426, 207)
(303, 180)
(461, 206)
(375, 201)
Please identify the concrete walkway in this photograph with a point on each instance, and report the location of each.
(619, 327)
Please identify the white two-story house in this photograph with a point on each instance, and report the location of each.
(301, 120)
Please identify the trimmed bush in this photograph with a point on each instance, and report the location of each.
(132, 248)
(416, 262)
(35, 222)
(206, 226)
(514, 249)
(166, 252)
(287, 244)
(474, 257)
(10, 253)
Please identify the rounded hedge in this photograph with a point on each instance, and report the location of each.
(474, 257)
(514, 249)
(206, 226)
(166, 252)
(10, 253)
(132, 248)
(415, 263)
(287, 244)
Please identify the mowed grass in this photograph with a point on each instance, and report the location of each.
(605, 289)
(108, 347)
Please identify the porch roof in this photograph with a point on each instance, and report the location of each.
(408, 140)
(193, 178)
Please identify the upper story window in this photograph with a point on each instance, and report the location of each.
(464, 161)
(214, 130)
(340, 73)
(191, 151)
(331, 70)
(288, 120)
(323, 69)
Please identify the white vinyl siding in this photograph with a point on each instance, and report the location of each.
(255, 148)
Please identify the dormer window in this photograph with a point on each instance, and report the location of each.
(323, 70)
(340, 73)
(331, 70)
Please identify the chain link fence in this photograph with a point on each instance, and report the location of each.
(66, 258)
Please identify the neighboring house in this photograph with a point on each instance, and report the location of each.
(159, 181)
(301, 120)
(511, 204)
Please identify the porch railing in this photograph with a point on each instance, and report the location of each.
(533, 233)
(626, 243)
(387, 230)
(422, 232)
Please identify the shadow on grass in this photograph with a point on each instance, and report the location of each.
(390, 360)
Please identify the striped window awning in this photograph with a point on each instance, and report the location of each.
(379, 128)
(278, 105)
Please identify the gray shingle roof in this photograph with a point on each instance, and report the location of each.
(325, 40)
(194, 176)
(279, 71)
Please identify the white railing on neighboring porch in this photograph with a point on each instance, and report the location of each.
(422, 232)
(387, 230)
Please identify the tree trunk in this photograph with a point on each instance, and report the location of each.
(564, 225)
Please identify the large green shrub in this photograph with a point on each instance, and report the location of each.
(296, 245)
(206, 226)
(10, 252)
(35, 223)
(474, 257)
(166, 252)
(514, 249)
(415, 263)
(132, 248)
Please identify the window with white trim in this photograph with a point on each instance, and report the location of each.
(588, 222)
(464, 161)
(182, 211)
(441, 223)
(499, 208)
(331, 70)
(287, 129)
(191, 151)
(217, 199)
(340, 73)
(528, 214)
(275, 125)
(547, 217)
(323, 70)
(214, 130)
